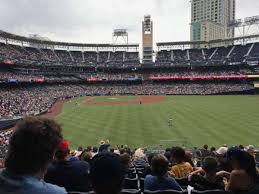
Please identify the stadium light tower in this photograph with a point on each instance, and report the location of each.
(245, 27)
(120, 34)
(147, 38)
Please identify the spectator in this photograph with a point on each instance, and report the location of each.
(107, 173)
(104, 146)
(139, 154)
(205, 151)
(73, 175)
(168, 153)
(210, 180)
(244, 174)
(86, 156)
(148, 170)
(95, 151)
(125, 160)
(159, 180)
(180, 169)
(31, 148)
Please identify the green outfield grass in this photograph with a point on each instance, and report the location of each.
(198, 120)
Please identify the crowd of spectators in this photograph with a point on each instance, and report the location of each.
(216, 56)
(5, 76)
(37, 56)
(40, 160)
(32, 100)
(213, 56)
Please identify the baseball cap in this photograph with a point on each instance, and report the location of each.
(222, 150)
(234, 152)
(250, 148)
(64, 145)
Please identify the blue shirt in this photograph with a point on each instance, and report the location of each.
(73, 175)
(16, 184)
(154, 183)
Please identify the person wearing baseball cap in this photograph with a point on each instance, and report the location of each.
(107, 173)
(71, 174)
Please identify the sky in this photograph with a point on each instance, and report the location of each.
(93, 21)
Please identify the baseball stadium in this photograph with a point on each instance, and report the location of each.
(125, 98)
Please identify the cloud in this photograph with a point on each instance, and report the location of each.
(93, 21)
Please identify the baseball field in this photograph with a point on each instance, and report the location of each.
(140, 121)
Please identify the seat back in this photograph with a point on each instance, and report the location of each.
(131, 183)
(210, 192)
(183, 182)
(141, 184)
(130, 191)
(166, 192)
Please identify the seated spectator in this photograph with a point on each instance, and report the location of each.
(107, 173)
(205, 151)
(86, 156)
(104, 146)
(148, 170)
(125, 160)
(139, 154)
(31, 148)
(210, 180)
(244, 174)
(168, 153)
(73, 175)
(180, 168)
(159, 180)
(189, 158)
(95, 151)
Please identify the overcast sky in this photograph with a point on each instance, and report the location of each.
(92, 21)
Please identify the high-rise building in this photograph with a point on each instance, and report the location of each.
(147, 39)
(210, 19)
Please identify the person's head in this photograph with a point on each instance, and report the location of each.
(242, 160)
(107, 173)
(125, 160)
(95, 149)
(159, 165)
(210, 165)
(205, 147)
(149, 158)
(85, 156)
(80, 148)
(89, 148)
(63, 151)
(178, 154)
(32, 145)
(241, 147)
(213, 149)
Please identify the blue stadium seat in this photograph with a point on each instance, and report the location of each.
(131, 183)
(130, 191)
(141, 183)
(165, 192)
(210, 192)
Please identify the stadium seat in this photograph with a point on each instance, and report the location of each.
(124, 191)
(130, 191)
(183, 182)
(166, 192)
(141, 174)
(141, 183)
(131, 183)
(131, 175)
(210, 192)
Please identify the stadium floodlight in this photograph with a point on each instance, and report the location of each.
(235, 23)
(120, 33)
(252, 20)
